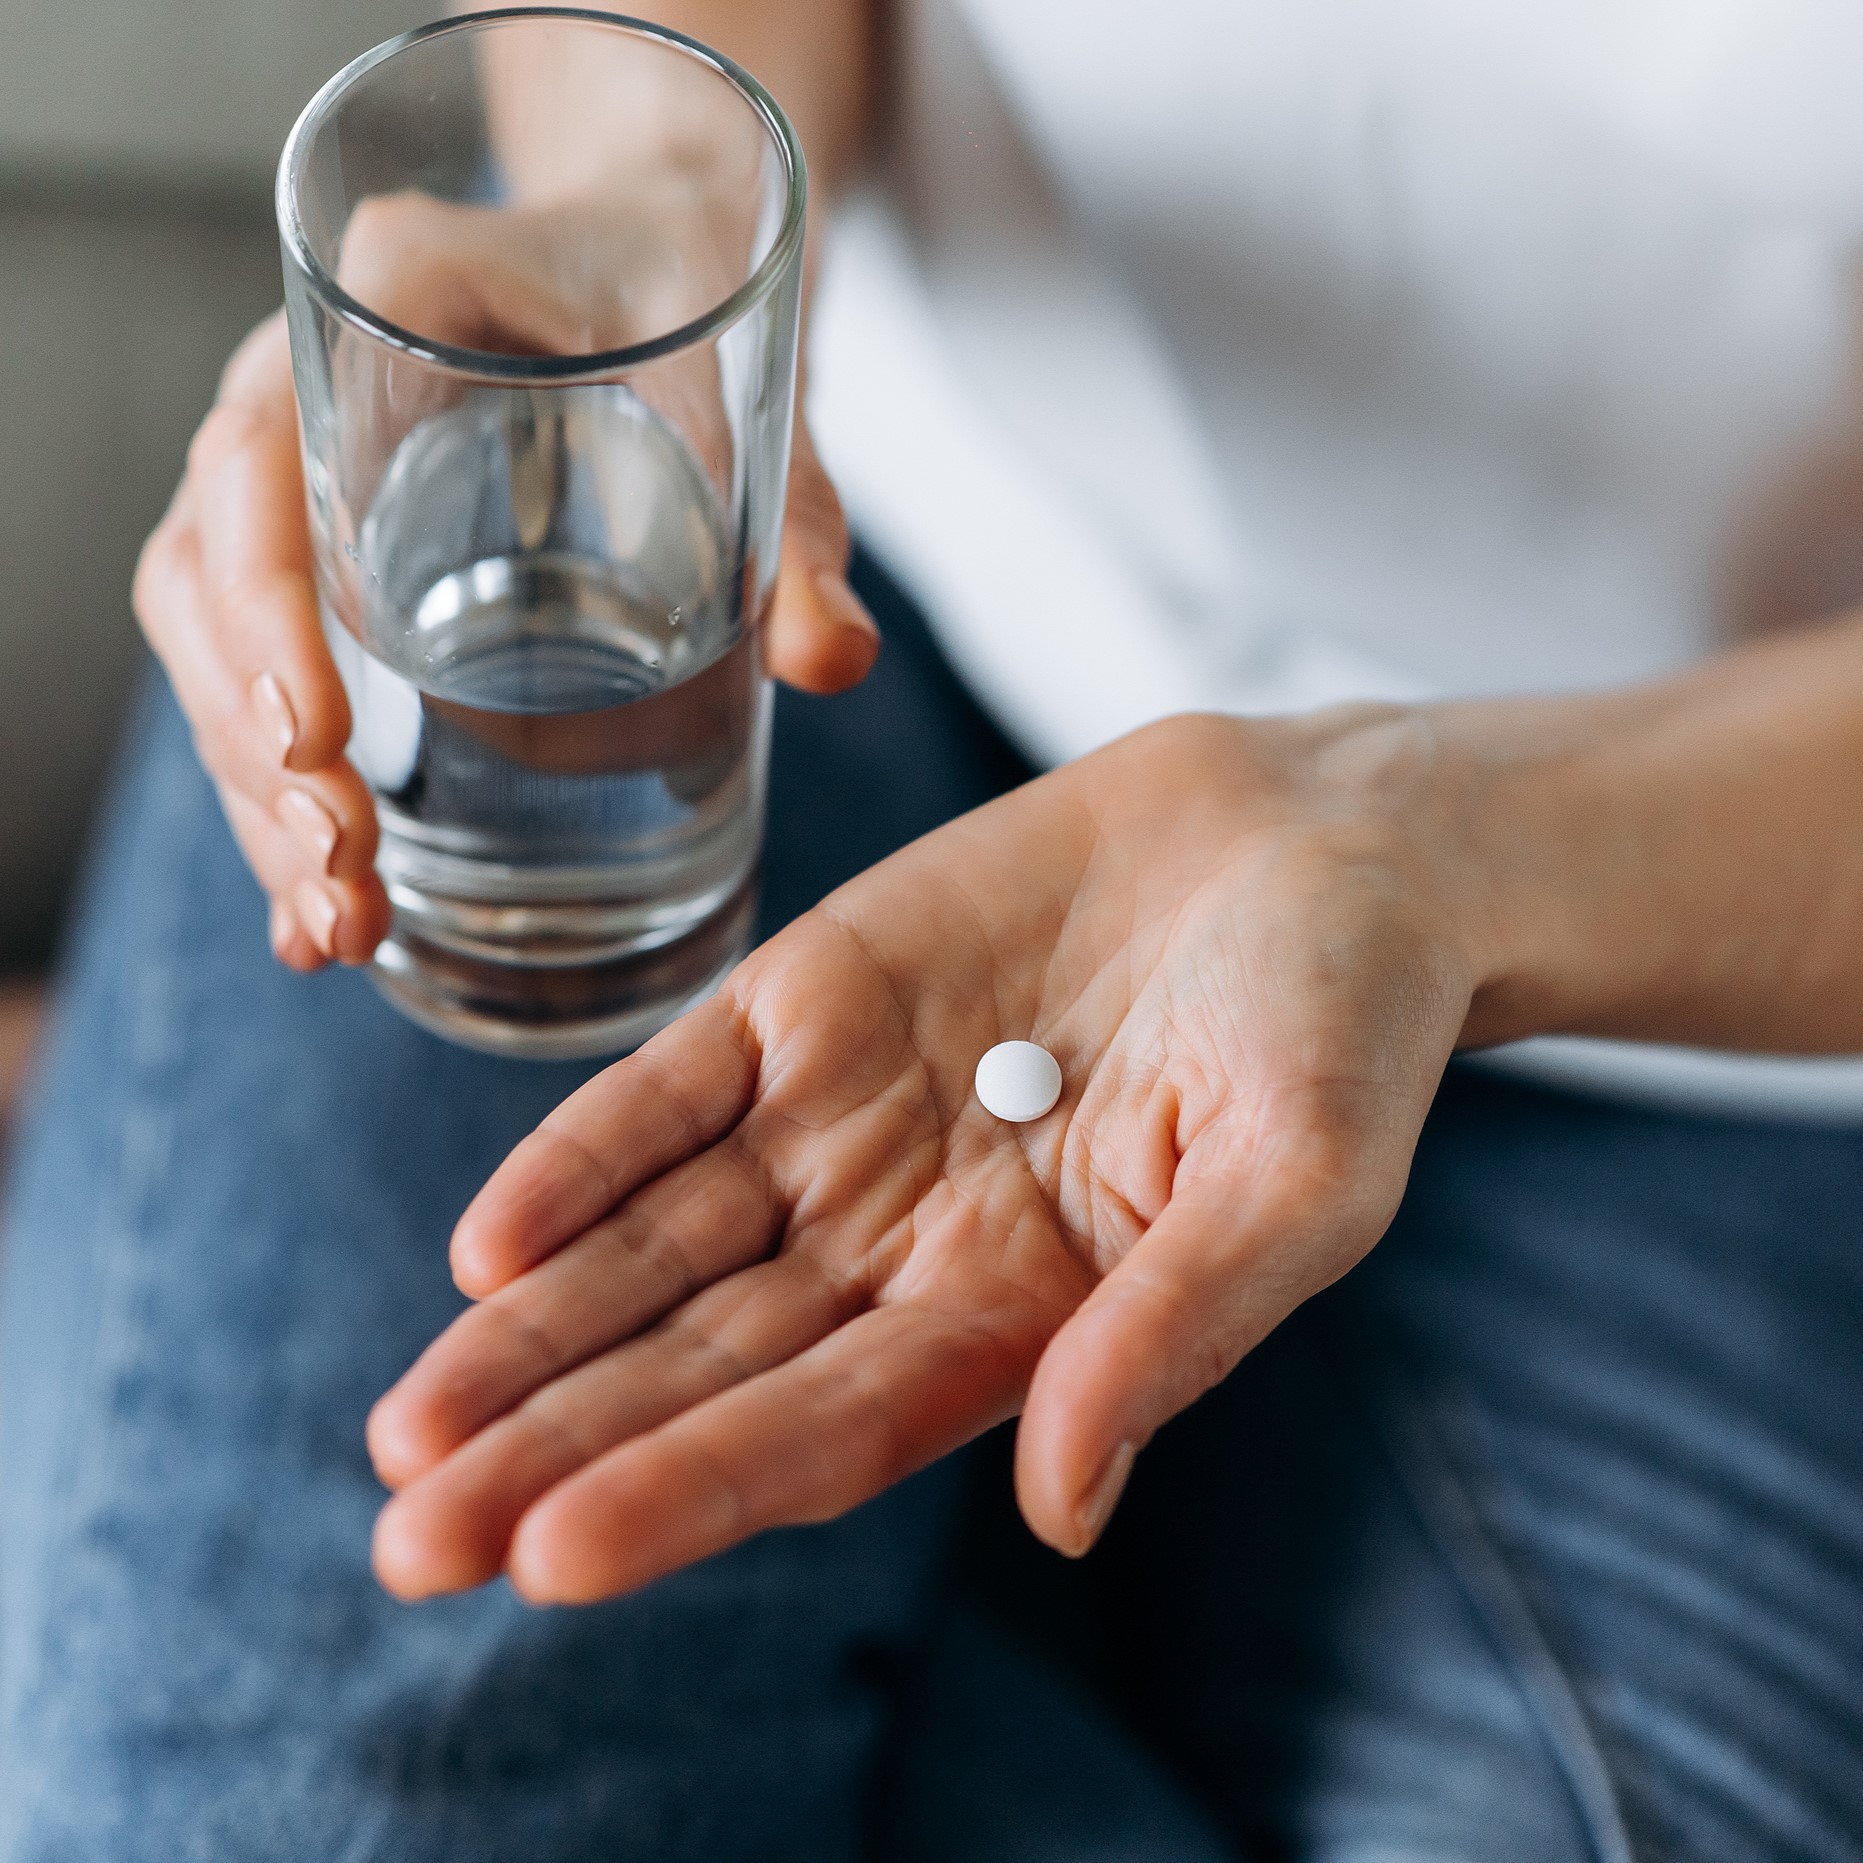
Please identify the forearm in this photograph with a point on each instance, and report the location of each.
(1680, 862)
(816, 57)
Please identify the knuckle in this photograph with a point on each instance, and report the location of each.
(1199, 736)
(1207, 1357)
(260, 625)
(260, 360)
(518, 1334)
(154, 587)
(386, 239)
(383, 219)
(1185, 1324)
(356, 850)
(350, 795)
(1332, 1177)
(216, 746)
(230, 429)
(269, 602)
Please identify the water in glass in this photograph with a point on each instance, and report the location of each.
(559, 704)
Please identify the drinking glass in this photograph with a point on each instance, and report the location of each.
(542, 274)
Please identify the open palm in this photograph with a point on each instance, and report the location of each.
(782, 1257)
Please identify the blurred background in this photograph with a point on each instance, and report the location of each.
(137, 141)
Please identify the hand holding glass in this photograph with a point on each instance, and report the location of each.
(543, 273)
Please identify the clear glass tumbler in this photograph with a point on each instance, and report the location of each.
(542, 272)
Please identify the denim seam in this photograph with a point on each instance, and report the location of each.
(1411, 1435)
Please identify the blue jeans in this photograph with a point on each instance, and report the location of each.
(1540, 1537)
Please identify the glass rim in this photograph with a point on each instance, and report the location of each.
(488, 364)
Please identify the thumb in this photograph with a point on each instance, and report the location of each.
(821, 638)
(1225, 1263)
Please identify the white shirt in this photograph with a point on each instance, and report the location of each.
(1231, 353)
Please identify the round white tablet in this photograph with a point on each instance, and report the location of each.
(1018, 1081)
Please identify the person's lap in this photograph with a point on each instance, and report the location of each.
(227, 1237)
(1544, 1521)
(1541, 1536)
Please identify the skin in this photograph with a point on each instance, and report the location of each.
(223, 589)
(780, 1257)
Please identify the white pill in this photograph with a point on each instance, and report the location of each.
(1018, 1081)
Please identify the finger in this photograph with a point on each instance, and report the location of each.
(328, 814)
(297, 831)
(276, 866)
(290, 944)
(680, 1093)
(259, 371)
(235, 732)
(708, 1218)
(1242, 1242)
(452, 272)
(450, 1528)
(337, 918)
(882, 1397)
(246, 492)
(237, 727)
(821, 638)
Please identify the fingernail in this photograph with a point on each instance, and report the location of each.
(317, 913)
(283, 928)
(844, 607)
(1104, 1495)
(275, 713)
(312, 825)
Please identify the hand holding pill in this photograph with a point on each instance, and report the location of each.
(834, 1222)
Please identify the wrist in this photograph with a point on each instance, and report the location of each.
(1574, 846)
(1678, 862)
(1498, 817)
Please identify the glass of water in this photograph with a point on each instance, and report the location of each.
(542, 274)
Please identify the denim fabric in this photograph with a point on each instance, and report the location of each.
(1541, 1537)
